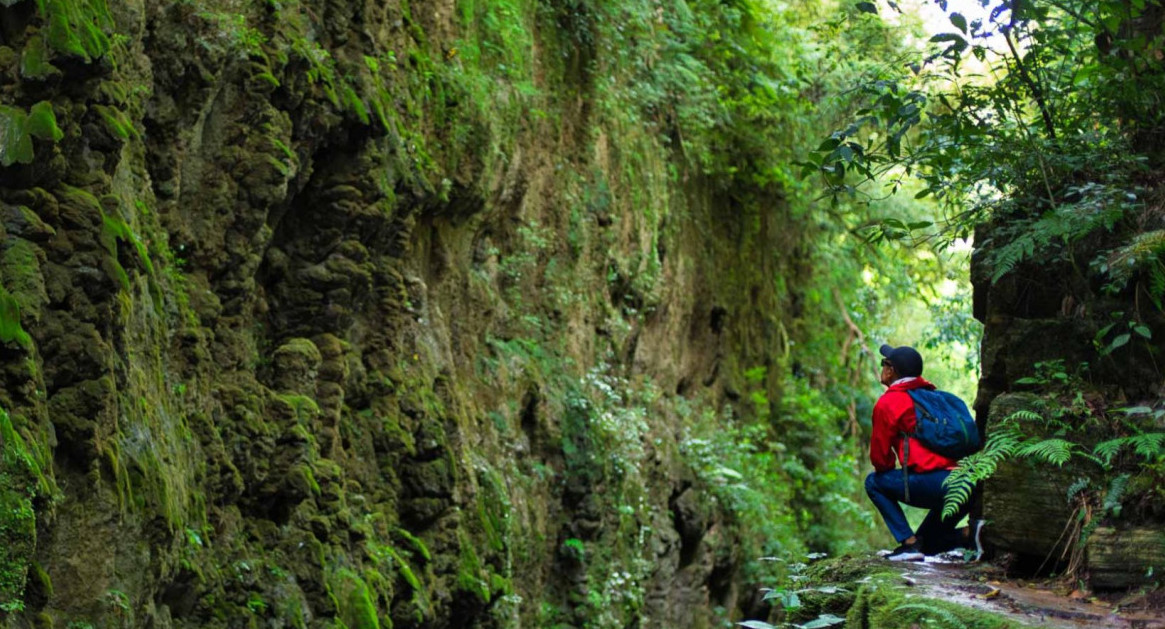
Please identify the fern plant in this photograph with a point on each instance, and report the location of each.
(979, 467)
(946, 616)
(1009, 442)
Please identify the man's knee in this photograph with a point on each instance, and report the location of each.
(871, 483)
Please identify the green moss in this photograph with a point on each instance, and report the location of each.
(493, 505)
(81, 199)
(20, 273)
(42, 122)
(305, 478)
(20, 481)
(305, 406)
(286, 150)
(116, 122)
(15, 141)
(353, 600)
(115, 229)
(43, 580)
(76, 27)
(355, 104)
(883, 604)
(10, 328)
(415, 542)
(34, 63)
(471, 575)
(267, 78)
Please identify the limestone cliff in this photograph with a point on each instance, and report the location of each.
(320, 313)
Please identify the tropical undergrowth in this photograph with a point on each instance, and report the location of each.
(804, 446)
(731, 94)
(1036, 129)
(1117, 454)
(1041, 118)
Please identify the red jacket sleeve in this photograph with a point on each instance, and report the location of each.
(885, 433)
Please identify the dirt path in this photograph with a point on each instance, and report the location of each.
(1039, 603)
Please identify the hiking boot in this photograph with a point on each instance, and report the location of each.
(907, 552)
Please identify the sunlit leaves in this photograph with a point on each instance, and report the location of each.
(1027, 115)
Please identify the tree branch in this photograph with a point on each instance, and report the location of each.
(1037, 93)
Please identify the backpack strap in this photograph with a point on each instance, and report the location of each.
(905, 471)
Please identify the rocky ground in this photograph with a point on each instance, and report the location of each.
(865, 591)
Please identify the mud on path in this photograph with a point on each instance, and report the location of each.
(1041, 603)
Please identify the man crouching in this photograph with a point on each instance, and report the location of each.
(920, 481)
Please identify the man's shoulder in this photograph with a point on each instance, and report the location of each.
(893, 397)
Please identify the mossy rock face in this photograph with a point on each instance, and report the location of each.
(234, 308)
(20, 482)
(355, 602)
(296, 364)
(17, 542)
(20, 220)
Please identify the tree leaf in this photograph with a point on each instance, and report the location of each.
(867, 7)
(1120, 341)
(1143, 331)
(959, 21)
(952, 37)
(824, 620)
(756, 624)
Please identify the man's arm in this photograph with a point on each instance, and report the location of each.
(883, 435)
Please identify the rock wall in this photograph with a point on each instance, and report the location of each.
(1053, 347)
(320, 313)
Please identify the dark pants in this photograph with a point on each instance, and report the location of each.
(936, 534)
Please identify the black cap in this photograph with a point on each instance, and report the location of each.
(905, 360)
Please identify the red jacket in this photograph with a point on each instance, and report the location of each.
(894, 415)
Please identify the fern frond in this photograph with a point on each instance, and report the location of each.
(957, 494)
(1112, 498)
(1157, 284)
(1023, 415)
(1149, 445)
(1010, 255)
(1054, 451)
(1106, 451)
(947, 617)
(1080, 485)
(978, 467)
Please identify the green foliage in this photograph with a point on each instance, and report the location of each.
(1052, 145)
(353, 600)
(977, 467)
(388, 559)
(21, 482)
(923, 610)
(1010, 440)
(1117, 334)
